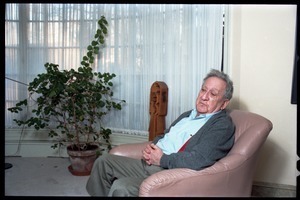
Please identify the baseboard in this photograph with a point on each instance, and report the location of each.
(274, 185)
(264, 189)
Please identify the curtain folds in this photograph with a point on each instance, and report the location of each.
(177, 44)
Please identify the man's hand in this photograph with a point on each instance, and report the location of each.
(152, 154)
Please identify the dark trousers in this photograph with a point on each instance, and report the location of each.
(114, 175)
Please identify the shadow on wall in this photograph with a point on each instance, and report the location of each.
(271, 163)
(236, 104)
(271, 159)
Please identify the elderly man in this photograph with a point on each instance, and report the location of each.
(195, 140)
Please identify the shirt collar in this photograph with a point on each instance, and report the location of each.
(193, 114)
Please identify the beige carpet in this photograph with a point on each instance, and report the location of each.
(42, 177)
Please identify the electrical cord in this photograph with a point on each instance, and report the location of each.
(22, 131)
(9, 165)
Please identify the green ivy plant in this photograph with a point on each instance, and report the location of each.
(71, 103)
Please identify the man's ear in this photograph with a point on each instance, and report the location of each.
(225, 104)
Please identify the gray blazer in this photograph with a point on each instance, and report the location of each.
(211, 142)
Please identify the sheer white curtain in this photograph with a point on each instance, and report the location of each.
(177, 44)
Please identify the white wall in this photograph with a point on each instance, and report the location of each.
(261, 56)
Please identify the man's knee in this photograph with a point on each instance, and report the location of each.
(101, 159)
(122, 188)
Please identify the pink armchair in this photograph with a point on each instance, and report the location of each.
(231, 176)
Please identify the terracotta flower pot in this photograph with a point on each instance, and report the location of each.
(82, 161)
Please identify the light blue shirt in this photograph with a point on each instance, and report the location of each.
(182, 132)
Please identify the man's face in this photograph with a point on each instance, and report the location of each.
(211, 96)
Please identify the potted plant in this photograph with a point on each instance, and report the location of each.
(71, 103)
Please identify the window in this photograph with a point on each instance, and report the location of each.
(177, 44)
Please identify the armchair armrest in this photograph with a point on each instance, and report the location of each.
(181, 182)
(219, 180)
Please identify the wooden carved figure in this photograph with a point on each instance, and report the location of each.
(158, 109)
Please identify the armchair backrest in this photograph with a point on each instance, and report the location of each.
(251, 132)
